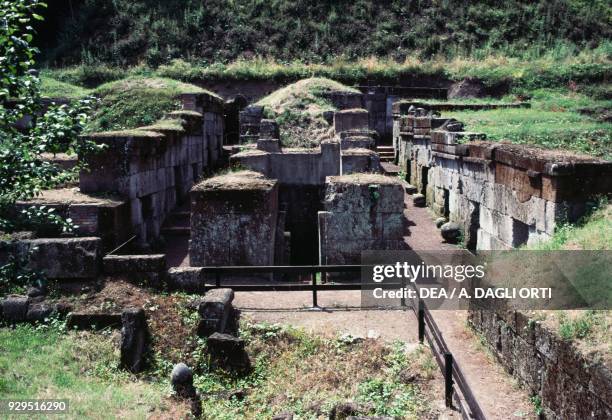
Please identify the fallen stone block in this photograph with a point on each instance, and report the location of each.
(227, 352)
(93, 321)
(134, 339)
(39, 312)
(342, 410)
(15, 309)
(418, 200)
(215, 310)
(451, 232)
(64, 258)
(186, 279)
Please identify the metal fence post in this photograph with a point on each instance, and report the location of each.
(421, 319)
(218, 279)
(448, 379)
(403, 298)
(314, 290)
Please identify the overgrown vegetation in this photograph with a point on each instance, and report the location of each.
(28, 131)
(123, 32)
(298, 109)
(562, 119)
(592, 232)
(495, 70)
(23, 171)
(292, 371)
(136, 101)
(47, 362)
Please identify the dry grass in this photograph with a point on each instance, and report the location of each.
(240, 180)
(309, 374)
(298, 108)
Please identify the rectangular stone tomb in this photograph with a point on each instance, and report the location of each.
(233, 220)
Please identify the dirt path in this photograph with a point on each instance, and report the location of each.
(496, 391)
(340, 313)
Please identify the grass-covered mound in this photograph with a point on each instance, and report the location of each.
(127, 103)
(298, 108)
(53, 88)
(136, 101)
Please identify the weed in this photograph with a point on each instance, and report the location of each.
(536, 401)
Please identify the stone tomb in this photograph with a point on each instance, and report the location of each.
(233, 220)
(361, 212)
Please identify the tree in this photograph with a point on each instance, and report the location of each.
(28, 128)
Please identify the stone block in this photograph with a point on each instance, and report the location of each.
(186, 279)
(15, 309)
(269, 145)
(227, 352)
(233, 220)
(121, 264)
(488, 242)
(39, 312)
(215, 310)
(63, 258)
(268, 129)
(134, 339)
(363, 212)
(351, 119)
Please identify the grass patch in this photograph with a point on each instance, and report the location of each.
(554, 121)
(52, 88)
(589, 330)
(593, 232)
(293, 371)
(298, 109)
(136, 101)
(45, 362)
(518, 74)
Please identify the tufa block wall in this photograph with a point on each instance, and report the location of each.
(361, 212)
(503, 195)
(153, 168)
(570, 385)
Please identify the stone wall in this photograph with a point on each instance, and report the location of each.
(250, 118)
(351, 119)
(302, 173)
(294, 166)
(105, 217)
(360, 212)
(503, 195)
(234, 220)
(360, 160)
(153, 168)
(57, 258)
(569, 384)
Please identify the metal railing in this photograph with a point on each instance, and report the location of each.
(464, 400)
(458, 393)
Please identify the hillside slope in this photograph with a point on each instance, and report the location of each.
(125, 32)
